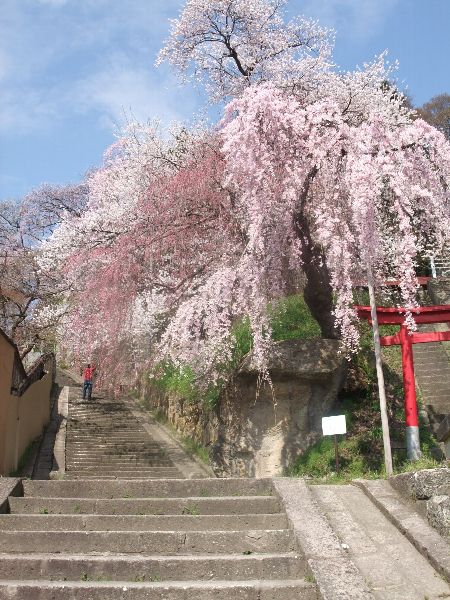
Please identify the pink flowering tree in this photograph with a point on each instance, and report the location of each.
(330, 172)
(312, 173)
(158, 224)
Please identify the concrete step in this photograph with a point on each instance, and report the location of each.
(73, 476)
(161, 470)
(126, 448)
(149, 489)
(138, 442)
(103, 438)
(433, 387)
(103, 449)
(148, 542)
(116, 461)
(151, 568)
(127, 468)
(211, 590)
(389, 563)
(231, 505)
(119, 473)
(119, 461)
(184, 522)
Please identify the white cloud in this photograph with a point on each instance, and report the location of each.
(121, 91)
(92, 55)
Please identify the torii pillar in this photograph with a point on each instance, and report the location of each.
(406, 339)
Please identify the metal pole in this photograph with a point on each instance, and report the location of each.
(380, 376)
(433, 267)
(336, 453)
(409, 385)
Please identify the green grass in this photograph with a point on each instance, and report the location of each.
(290, 318)
(193, 448)
(361, 449)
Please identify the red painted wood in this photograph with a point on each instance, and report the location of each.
(409, 383)
(416, 338)
(396, 316)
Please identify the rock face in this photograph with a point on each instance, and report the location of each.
(430, 488)
(257, 430)
(261, 433)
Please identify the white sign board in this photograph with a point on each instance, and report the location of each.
(334, 425)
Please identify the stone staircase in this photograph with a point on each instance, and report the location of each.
(105, 440)
(432, 370)
(150, 539)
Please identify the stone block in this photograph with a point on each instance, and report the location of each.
(438, 513)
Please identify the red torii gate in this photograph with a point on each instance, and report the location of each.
(406, 339)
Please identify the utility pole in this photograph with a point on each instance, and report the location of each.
(380, 376)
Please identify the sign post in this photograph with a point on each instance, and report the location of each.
(334, 426)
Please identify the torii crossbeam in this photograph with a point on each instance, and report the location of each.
(406, 339)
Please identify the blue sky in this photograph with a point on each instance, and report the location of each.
(71, 69)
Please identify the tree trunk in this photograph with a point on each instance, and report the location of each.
(318, 292)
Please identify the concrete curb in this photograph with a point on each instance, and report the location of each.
(189, 466)
(336, 575)
(9, 486)
(400, 513)
(59, 450)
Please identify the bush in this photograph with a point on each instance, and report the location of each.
(290, 319)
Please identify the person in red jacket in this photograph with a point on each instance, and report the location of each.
(88, 376)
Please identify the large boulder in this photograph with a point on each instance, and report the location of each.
(430, 482)
(264, 426)
(430, 490)
(438, 513)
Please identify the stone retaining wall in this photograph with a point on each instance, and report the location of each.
(259, 434)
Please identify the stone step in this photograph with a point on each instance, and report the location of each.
(110, 456)
(106, 438)
(434, 379)
(232, 505)
(438, 405)
(102, 448)
(99, 431)
(72, 476)
(185, 522)
(211, 590)
(149, 489)
(83, 424)
(148, 542)
(118, 464)
(164, 472)
(151, 568)
(136, 443)
(159, 465)
(434, 386)
(118, 458)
